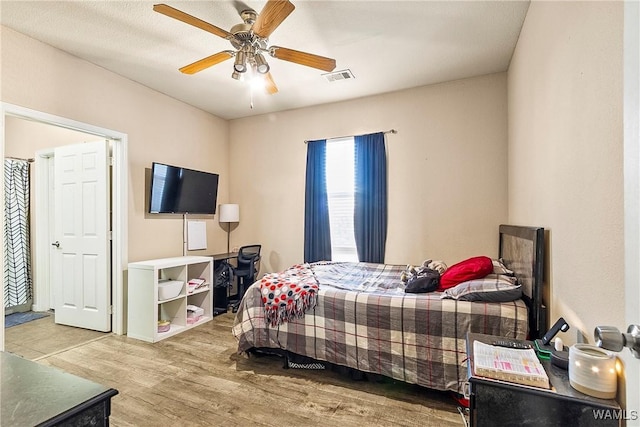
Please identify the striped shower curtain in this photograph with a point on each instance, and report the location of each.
(17, 248)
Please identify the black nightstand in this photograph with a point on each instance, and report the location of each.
(499, 403)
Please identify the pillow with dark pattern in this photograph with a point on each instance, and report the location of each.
(427, 280)
(491, 288)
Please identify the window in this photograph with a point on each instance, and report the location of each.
(340, 162)
(350, 164)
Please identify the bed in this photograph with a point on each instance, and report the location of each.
(378, 328)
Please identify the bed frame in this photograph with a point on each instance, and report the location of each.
(522, 250)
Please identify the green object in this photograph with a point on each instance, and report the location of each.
(543, 351)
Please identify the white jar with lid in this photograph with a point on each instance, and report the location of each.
(592, 371)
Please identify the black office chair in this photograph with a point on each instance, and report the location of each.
(246, 270)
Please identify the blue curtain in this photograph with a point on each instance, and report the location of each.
(370, 212)
(317, 235)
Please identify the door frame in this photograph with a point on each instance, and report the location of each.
(631, 156)
(42, 256)
(120, 172)
(42, 220)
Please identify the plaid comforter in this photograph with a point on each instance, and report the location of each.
(364, 320)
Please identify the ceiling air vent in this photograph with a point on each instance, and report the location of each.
(339, 75)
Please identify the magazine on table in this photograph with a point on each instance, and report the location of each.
(519, 366)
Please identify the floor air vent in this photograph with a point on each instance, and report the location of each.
(339, 75)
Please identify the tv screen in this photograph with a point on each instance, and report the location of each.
(181, 190)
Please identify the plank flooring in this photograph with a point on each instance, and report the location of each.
(197, 379)
(40, 337)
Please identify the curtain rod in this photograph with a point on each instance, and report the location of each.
(18, 158)
(347, 136)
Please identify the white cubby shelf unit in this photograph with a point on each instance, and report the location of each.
(144, 308)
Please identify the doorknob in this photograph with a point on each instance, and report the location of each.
(56, 244)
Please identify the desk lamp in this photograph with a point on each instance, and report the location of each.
(229, 213)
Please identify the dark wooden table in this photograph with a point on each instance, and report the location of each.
(37, 395)
(500, 403)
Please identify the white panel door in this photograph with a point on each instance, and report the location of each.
(81, 260)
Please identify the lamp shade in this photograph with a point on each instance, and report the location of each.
(229, 213)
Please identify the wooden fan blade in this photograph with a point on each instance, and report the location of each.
(206, 62)
(269, 84)
(272, 15)
(303, 58)
(191, 20)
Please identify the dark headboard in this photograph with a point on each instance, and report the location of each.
(522, 250)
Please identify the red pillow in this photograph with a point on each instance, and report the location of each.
(469, 269)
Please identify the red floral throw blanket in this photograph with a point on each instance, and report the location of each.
(287, 295)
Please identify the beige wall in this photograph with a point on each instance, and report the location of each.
(447, 170)
(23, 138)
(159, 128)
(565, 154)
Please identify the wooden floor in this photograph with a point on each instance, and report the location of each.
(197, 379)
(41, 337)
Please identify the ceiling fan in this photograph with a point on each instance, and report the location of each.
(250, 41)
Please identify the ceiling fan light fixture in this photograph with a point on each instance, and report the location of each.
(240, 64)
(261, 64)
(250, 41)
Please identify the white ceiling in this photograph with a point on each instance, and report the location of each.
(388, 45)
